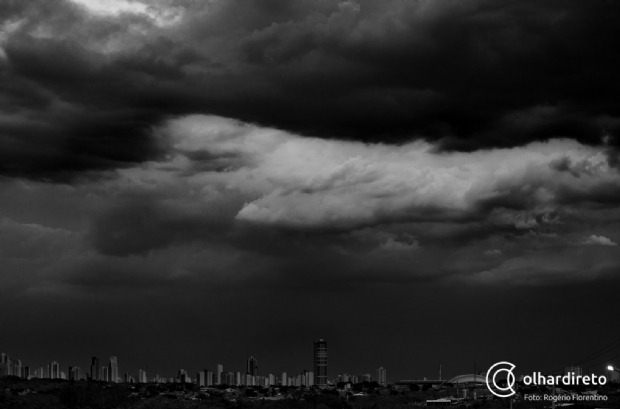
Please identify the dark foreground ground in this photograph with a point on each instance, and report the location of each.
(58, 394)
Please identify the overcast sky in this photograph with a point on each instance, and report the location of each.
(187, 183)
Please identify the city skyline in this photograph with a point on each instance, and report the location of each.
(225, 377)
(222, 374)
(418, 182)
(204, 377)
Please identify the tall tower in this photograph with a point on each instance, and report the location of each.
(94, 368)
(17, 368)
(382, 376)
(320, 363)
(252, 366)
(113, 369)
(55, 370)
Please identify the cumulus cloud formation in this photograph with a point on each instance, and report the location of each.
(355, 205)
(302, 211)
(595, 240)
(309, 182)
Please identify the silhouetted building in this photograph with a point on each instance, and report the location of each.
(252, 366)
(6, 365)
(75, 373)
(104, 374)
(17, 368)
(382, 376)
(249, 380)
(320, 363)
(113, 369)
(54, 370)
(284, 380)
(307, 378)
(230, 378)
(201, 378)
(94, 368)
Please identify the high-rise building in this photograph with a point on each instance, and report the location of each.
(54, 370)
(218, 374)
(230, 378)
(201, 378)
(104, 374)
(252, 367)
(249, 380)
(320, 363)
(307, 378)
(382, 376)
(284, 379)
(4, 365)
(75, 373)
(113, 369)
(17, 368)
(142, 376)
(94, 368)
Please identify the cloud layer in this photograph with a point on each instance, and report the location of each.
(84, 83)
(301, 210)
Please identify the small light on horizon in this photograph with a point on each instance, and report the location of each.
(610, 367)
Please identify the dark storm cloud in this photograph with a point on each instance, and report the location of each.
(234, 205)
(82, 90)
(280, 211)
(424, 160)
(137, 222)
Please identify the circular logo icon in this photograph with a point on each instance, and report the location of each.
(494, 375)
